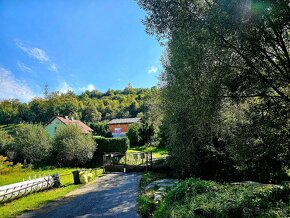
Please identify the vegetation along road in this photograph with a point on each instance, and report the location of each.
(113, 195)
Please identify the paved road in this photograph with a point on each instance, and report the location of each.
(113, 195)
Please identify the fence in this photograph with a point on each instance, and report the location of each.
(17, 190)
(137, 161)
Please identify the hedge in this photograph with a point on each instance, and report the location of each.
(111, 144)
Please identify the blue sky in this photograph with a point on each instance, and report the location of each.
(77, 45)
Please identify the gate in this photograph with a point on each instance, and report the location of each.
(127, 162)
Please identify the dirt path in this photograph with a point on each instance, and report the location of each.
(113, 195)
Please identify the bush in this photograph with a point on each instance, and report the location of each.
(134, 134)
(111, 145)
(5, 141)
(71, 147)
(145, 205)
(32, 143)
(199, 198)
(101, 129)
(7, 167)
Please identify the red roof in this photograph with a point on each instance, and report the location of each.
(84, 127)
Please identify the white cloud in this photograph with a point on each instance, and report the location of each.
(21, 66)
(38, 54)
(11, 88)
(53, 67)
(35, 53)
(65, 87)
(152, 70)
(89, 87)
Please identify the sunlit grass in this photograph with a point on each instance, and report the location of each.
(36, 200)
(157, 152)
(25, 174)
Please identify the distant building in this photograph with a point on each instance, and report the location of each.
(119, 127)
(57, 121)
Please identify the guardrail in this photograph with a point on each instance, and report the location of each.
(17, 190)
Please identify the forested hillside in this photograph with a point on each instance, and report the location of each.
(90, 106)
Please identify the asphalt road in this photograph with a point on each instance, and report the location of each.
(113, 195)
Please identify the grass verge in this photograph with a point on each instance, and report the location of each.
(198, 198)
(145, 202)
(36, 200)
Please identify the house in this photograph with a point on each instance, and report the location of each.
(57, 121)
(119, 127)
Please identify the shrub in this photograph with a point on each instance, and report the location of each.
(145, 205)
(101, 129)
(111, 145)
(199, 198)
(5, 141)
(134, 134)
(7, 167)
(32, 143)
(71, 147)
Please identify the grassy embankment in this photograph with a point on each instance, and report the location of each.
(36, 200)
(199, 198)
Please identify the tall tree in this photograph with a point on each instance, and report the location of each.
(225, 56)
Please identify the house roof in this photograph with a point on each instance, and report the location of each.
(125, 120)
(84, 127)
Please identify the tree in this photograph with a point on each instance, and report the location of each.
(90, 114)
(101, 129)
(72, 147)
(225, 57)
(133, 134)
(8, 112)
(32, 143)
(5, 141)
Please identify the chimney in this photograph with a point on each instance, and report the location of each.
(66, 117)
(72, 118)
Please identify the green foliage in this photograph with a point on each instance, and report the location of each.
(134, 134)
(225, 97)
(32, 143)
(101, 129)
(111, 145)
(5, 141)
(7, 167)
(145, 205)
(71, 147)
(8, 111)
(90, 106)
(198, 198)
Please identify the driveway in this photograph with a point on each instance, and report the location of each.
(113, 195)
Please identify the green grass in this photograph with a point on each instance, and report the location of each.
(36, 200)
(26, 173)
(194, 198)
(157, 152)
(145, 201)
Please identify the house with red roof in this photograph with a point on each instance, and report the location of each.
(58, 121)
